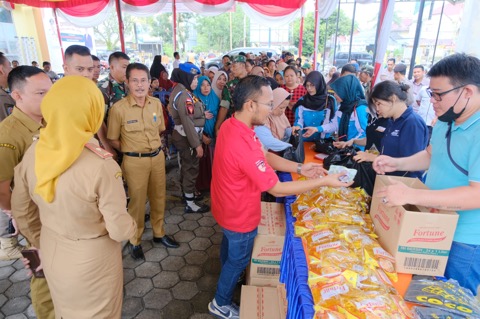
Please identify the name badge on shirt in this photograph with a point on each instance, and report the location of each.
(380, 129)
(132, 121)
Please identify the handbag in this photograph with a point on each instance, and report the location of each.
(325, 146)
(365, 177)
(341, 157)
(296, 153)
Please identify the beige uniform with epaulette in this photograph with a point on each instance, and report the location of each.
(138, 129)
(17, 133)
(188, 114)
(81, 232)
(6, 104)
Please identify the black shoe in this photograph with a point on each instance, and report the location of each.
(166, 241)
(197, 196)
(202, 209)
(147, 217)
(137, 252)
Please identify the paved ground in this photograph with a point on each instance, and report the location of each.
(169, 284)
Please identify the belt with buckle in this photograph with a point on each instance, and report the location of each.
(152, 154)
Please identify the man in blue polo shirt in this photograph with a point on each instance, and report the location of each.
(452, 160)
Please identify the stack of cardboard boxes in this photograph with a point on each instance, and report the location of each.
(264, 297)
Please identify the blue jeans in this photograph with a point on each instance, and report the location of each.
(235, 255)
(464, 265)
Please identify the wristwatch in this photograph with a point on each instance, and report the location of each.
(299, 168)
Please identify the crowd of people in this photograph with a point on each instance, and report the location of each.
(83, 157)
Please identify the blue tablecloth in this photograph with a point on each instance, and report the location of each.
(294, 268)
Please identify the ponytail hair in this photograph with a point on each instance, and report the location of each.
(386, 89)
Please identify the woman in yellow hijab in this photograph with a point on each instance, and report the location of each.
(78, 190)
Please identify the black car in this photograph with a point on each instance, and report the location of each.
(218, 60)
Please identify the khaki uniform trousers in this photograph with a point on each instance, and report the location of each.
(41, 299)
(145, 176)
(189, 162)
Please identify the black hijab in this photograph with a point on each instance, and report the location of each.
(157, 67)
(318, 101)
(182, 77)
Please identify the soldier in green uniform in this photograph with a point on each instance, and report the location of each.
(17, 132)
(188, 115)
(6, 102)
(226, 110)
(113, 87)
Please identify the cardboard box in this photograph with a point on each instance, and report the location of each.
(264, 269)
(282, 301)
(272, 221)
(259, 303)
(418, 237)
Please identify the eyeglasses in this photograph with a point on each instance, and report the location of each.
(438, 96)
(270, 105)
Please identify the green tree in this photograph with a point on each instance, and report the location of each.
(344, 27)
(213, 33)
(109, 33)
(162, 26)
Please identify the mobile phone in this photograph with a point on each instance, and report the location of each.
(34, 258)
(11, 229)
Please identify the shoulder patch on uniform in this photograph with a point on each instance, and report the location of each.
(190, 107)
(118, 174)
(98, 150)
(7, 145)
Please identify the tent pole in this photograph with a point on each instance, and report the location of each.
(351, 31)
(417, 37)
(120, 25)
(59, 34)
(325, 44)
(336, 35)
(300, 40)
(315, 40)
(174, 11)
(438, 32)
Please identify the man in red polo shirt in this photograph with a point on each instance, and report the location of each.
(242, 170)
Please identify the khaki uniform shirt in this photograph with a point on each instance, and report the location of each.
(89, 200)
(17, 133)
(188, 114)
(138, 128)
(6, 104)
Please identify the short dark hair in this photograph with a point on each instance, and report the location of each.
(391, 59)
(76, 49)
(268, 62)
(350, 68)
(18, 76)
(137, 66)
(250, 61)
(46, 63)
(459, 68)
(385, 89)
(34, 62)
(175, 54)
(117, 56)
(12, 60)
(226, 56)
(248, 89)
(3, 58)
(95, 58)
(419, 66)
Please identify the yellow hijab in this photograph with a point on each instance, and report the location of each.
(73, 109)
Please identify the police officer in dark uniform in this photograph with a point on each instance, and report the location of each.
(189, 117)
